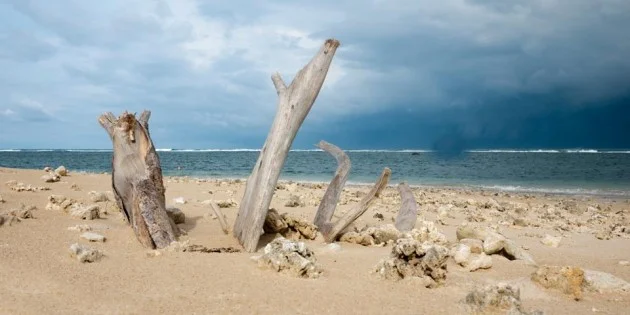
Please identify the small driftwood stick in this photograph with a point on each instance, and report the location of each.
(333, 192)
(334, 230)
(294, 103)
(408, 214)
(137, 179)
(221, 217)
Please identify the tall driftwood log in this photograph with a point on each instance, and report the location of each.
(332, 230)
(137, 179)
(329, 202)
(294, 103)
(408, 213)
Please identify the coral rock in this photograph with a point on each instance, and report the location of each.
(85, 253)
(412, 259)
(289, 257)
(567, 279)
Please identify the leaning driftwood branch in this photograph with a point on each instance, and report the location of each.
(221, 217)
(137, 178)
(335, 229)
(294, 103)
(408, 214)
(333, 192)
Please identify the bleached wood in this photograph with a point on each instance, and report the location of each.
(221, 217)
(357, 211)
(137, 179)
(329, 202)
(294, 103)
(408, 213)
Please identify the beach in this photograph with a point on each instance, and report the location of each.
(39, 275)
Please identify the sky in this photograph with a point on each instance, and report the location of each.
(410, 74)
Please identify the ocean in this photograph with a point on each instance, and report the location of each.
(596, 172)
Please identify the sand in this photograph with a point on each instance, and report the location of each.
(39, 276)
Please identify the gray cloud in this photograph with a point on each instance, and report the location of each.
(204, 66)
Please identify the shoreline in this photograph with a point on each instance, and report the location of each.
(604, 193)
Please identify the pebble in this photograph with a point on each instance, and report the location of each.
(93, 237)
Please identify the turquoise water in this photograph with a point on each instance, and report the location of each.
(558, 171)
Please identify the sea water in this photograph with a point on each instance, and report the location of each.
(601, 172)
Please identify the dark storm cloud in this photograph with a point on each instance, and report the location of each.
(476, 73)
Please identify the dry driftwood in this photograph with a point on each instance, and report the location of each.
(221, 217)
(333, 192)
(332, 231)
(408, 214)
(294, 103)
(137, 178)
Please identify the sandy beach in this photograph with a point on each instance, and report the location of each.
(39, 275)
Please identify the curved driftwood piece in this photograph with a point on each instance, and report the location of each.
(294, 103)
(335, 229)
(221, 217)
(333, 192)
(408, 213)
(137, 178)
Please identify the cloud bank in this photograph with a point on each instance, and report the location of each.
(408, 73)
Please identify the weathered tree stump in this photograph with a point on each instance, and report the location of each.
(408, 213)
(294, 103)
(137, 179)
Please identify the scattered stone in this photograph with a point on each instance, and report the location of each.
(567, 279)
(289, 227)
(494, 243)
(1, 199)
(98, 196)
(22, 213)
(479, 261)
(176, 215)
(379, 216)
(85, 212)
(93, 237)
(426, 232)
(19, 187)
(230, 203)
(154, 253)
(47, 169)
(495, 299)
(294, 258)
(357, 238)
(602, 282)
(85, 253)
(476, 246)
(624, 263)
(551, 241)
(294, 201)
(80, 228)
(59, 202)
(412, 259)
(61, 171)
(51, 178)
(179, 200)
(461, 253)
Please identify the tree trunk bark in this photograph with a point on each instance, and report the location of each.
(294, 103)
(332, 232)
(408, 214)
(333, 192)
(137, 178)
